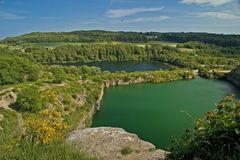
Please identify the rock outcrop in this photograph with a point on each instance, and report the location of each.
(234, 76)
(7, 99)
(110, 83)
(107, 143)
(87, 118)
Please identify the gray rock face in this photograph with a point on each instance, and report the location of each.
(234, 76)
(113, 143)
(109, 83)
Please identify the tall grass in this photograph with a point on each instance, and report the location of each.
(14, 147)
(28, 151)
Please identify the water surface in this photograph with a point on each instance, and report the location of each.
(155, 112)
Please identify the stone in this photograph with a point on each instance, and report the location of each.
(107, 143)
(234, 76)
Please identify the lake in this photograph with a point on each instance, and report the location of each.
(128, 66)
(156, 112)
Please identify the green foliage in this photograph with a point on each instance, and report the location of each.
(59, 74)
(195, 45)
(126, 150)
(82, 71)
(150, 77)
(207, 55)
(88, 52)
(107, 36)
(25, 150)
(14, 70)
(29, 99)
(217, 136)
(77, 36)
(8, 123)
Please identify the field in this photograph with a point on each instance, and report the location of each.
(56, 44)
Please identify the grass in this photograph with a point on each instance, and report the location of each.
(12, 147)
(9, 125)
(187, 50)
(11, 47)
(55, 44)
(172, 44)
(29, 151)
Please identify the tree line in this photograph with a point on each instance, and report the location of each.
(205, 56)
(105, 36)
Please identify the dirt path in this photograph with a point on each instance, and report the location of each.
(20, 129)
(49, 86)
(6, 90)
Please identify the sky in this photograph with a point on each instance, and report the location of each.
(24, 16)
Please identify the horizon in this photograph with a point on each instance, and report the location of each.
(115, 31)
(197, 16)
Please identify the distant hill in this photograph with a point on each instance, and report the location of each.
(105, 36)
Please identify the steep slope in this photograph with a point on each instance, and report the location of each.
(234, 76)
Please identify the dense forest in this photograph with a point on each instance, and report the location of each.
(105, 36)
(16, 70)
(215, 57)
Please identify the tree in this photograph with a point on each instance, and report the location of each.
(29, 99)
(14, 69)
(59, 74)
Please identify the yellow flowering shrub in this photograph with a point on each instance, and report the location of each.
(46, 129)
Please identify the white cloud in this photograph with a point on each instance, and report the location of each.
(219, 15)
(207, 2)
(10, 16)
(147, 19)
(118, 13)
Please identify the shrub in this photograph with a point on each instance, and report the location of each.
(126, 150)
(29, 99)
(217, 136)
(46, 129)
(14, 70)
(59, 74)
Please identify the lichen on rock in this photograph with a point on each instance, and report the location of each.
(108, 143)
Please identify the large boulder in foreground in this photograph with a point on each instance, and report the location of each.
(114, 144)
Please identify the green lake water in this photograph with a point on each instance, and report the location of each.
(156, 112)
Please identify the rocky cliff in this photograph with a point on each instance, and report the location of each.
(87, 119)
(234, 76)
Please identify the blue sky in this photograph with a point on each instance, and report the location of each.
(24, 16)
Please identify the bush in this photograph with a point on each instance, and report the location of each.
(59, 74)
(29, 99)
(47, 128)
(217, 136)
(14, 70)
